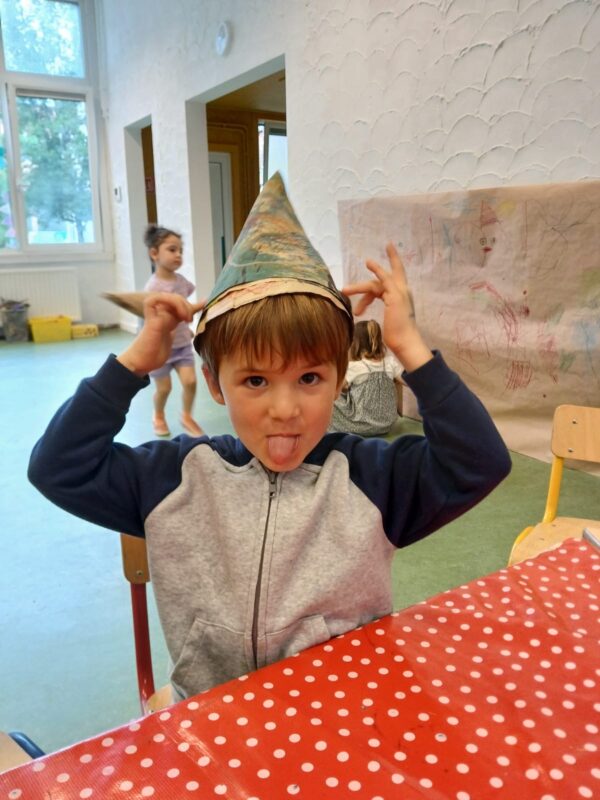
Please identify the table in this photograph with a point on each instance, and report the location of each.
(489, 690)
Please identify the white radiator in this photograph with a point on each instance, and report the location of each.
(48, 290)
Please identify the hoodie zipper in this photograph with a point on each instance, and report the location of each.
(272, 493)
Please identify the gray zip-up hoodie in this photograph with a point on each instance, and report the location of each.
(250, 566)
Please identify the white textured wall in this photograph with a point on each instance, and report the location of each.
(382, 97)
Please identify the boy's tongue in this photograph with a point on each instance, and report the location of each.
(281, 448)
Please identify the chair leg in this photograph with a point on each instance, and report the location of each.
(26, 744)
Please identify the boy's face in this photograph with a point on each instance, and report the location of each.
(280, 412)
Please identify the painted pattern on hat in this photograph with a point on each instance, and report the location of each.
(271, 256)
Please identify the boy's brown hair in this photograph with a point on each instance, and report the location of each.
(288, 326)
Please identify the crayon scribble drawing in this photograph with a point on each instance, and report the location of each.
(506, 283)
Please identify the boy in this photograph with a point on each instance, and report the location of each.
(264, 545)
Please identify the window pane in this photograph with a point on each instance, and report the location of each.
(42, 36)
(55, 172)
(277, 153)
(7, 232)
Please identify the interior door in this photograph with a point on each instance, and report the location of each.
(221, 206)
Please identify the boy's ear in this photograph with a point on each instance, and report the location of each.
(213, 385)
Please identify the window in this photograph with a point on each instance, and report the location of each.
(272, 150)
(49, 194)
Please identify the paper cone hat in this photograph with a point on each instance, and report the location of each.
(271, 256)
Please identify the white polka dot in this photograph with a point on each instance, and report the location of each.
(107, 742)
(213, 716)
(193, 706)
(228, 698)
(294, 737)
(85, 793)
(191, 786)
(321, 745)
(397, 778)
(354, 786)
(342, 756)
(172, 773)
(462, 768)
(263, 774)
(146, 762)
(125, 786)
(497, 783)
(270, 726)
(532, 774)
(252, 742)
(221, 788)
(158, 737)
(426, 783)
(293, 788)
(331, 782)
(374, 766)
(108, 770)
(64, 777)
(186, 723)
(183, 747)
(241, 721)
(585, 791)
(203, 761)
(220, 739)
(234, 763)
(147, 791)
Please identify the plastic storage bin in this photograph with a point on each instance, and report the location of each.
(50, 329)
(83, 330)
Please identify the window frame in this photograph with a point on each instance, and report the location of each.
(85, 89)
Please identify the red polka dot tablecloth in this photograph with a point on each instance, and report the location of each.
(489, 690)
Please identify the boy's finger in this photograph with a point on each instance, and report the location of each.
(376, 269)
(396, 262)
(360, 288)
(362, 305)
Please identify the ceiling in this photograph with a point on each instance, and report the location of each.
(267, 94)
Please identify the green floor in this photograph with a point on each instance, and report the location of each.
(67, 663)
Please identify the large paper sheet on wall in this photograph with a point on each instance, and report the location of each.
(506, 283)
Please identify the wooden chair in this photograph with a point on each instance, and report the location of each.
(135, 568)
(575, 435)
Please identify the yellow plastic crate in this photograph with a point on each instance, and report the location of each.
(50, 329)
(83, 330)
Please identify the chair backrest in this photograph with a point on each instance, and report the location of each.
(576, 432)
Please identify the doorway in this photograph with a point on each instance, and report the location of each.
(247, 141)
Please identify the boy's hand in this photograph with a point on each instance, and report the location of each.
(150, 349)
(400, 332)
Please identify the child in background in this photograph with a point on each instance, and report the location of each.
(165, 248)
(371, 397)
(263, 545)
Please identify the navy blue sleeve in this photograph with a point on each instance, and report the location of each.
(78, 467)
(421, 483)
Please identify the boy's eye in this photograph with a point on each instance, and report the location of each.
(255, 381)
(309, 378)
